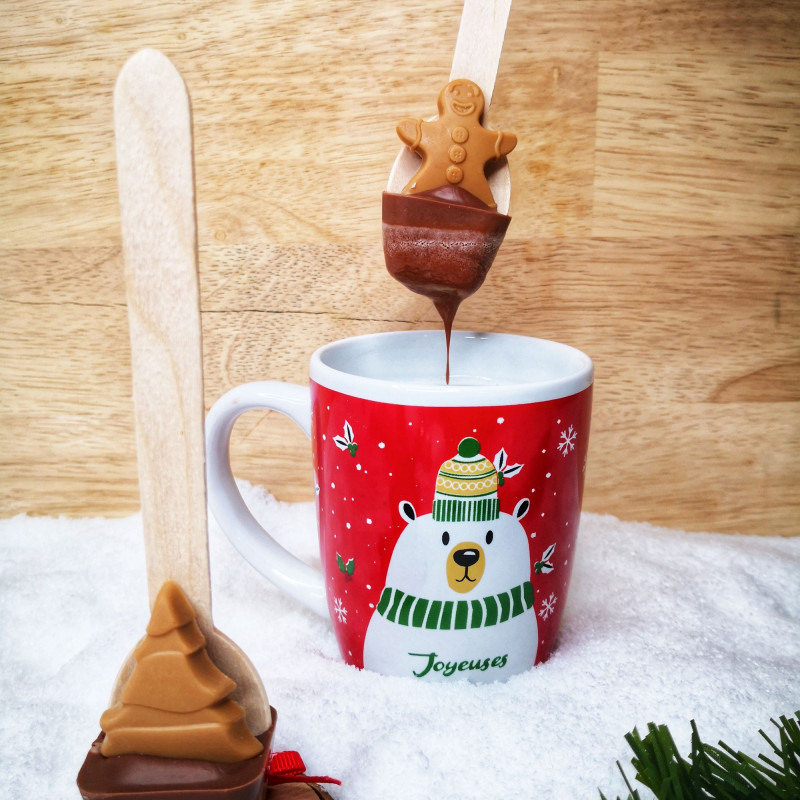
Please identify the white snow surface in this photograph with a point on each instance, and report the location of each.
(660, 626)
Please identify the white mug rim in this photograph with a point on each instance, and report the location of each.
(560, 369)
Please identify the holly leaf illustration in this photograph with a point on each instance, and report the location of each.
(545, 565)
(504, 470)
(346, 442)
(346, 569)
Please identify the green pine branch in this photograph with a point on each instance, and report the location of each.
(715, 773)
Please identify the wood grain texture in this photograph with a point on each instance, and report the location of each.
(655, 202)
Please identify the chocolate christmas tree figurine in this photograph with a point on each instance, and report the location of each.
(176, 702)
(175, 733)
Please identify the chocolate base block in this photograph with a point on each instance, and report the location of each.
(138, 777)
(440, 243)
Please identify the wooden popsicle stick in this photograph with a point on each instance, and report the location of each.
(152, 119)
(477, 56)
(156, 194)
(480, 43)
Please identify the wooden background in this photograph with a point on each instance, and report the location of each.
(655, 204)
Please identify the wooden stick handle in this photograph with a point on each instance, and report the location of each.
(480, 43)
(152, 120)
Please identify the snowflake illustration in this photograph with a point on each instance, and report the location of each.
(548, 606)
(567, 443)
(340, 610)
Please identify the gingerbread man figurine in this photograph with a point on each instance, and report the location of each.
(455, 148)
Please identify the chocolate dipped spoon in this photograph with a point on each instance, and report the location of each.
(445, 207)
(152, 120)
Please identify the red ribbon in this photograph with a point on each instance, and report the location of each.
(288, 767)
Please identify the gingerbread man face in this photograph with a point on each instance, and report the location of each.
(462, 98)
(455, 148)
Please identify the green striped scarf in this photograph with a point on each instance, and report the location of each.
(417, 612)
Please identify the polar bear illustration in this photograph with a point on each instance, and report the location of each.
(458, 599)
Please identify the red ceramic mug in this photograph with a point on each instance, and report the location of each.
(447, 514)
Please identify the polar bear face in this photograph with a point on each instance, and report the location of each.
(460, 560)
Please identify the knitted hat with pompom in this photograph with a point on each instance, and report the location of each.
(466, 487)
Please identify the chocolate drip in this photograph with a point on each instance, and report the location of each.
(440, 244)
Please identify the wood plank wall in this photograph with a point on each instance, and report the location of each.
(655, 204)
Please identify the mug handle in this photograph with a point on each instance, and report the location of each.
(295, 578)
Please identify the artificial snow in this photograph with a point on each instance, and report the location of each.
(659, 626)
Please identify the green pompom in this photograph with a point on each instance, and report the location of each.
(469, 447)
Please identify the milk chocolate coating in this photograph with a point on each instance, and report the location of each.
(441, 243)
(133, 776)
